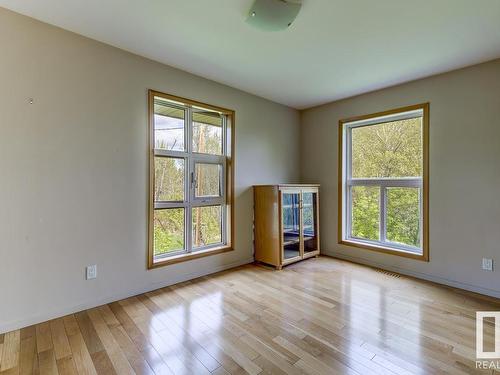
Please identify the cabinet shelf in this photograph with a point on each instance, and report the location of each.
(291, 241)
(290, 238)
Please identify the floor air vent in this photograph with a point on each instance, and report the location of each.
(388, 273)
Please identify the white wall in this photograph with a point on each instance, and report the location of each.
(73, 167)
(464, 173)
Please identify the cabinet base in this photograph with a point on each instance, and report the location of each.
(279, 267)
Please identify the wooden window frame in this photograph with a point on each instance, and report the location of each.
(342, 239)
(228, 180)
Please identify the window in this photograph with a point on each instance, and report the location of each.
(383, 182)
(191, 179)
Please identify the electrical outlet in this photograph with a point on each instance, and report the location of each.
(91, 272)
(487, 264)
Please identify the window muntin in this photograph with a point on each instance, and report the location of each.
(189, 176)
(383, 181)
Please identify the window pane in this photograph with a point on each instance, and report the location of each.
(310, 225)
(207, 225)
(403, 216)
(207, 180)
(169, 179)
(365, 212)
(291, 224)
(207, 132)
(168, 231)
(392, 149)
(169, 126)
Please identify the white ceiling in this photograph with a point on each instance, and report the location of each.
(334, 49)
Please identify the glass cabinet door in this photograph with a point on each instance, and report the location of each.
(310, 223)
(290, 206)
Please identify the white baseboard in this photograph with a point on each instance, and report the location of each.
(418, 275)
(48, 315)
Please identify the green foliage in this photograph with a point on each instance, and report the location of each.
(388, 150)
(168, 230)
(169, 179)
(391, 149)
(403, 212)
(365, 212)
(207, 138)
(206, 225)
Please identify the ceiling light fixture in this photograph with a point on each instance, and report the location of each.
(273, 15)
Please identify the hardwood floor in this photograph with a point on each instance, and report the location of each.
(320, 316)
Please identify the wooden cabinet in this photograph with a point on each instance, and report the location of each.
(286, 223)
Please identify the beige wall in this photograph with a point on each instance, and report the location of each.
(74, 169)
(464, 173)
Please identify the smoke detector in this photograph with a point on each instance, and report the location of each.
(273, 15)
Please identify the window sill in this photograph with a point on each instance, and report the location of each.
(387, 250)
(190, 256)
